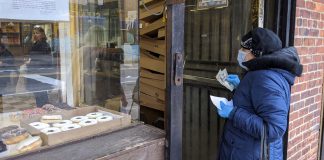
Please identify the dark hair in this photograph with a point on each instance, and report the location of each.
(41, 30)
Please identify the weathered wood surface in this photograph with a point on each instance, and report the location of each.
(128, 142)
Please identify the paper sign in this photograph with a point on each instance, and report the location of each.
(216, 101)
(45, 10)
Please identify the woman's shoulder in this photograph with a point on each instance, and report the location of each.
(265, 76)
(41, 46)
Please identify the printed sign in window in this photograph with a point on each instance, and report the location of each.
(49, 10)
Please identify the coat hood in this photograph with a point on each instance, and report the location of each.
(286, 59)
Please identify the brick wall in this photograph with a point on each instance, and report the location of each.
(306, 100)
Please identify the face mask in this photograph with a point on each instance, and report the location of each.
(241, 58)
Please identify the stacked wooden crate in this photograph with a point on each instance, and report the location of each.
(152, 61)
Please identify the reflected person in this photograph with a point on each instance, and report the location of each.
(40, 65)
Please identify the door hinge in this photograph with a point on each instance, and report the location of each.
(178, 69)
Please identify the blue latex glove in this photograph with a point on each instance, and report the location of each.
(226, 110)
(233, 79)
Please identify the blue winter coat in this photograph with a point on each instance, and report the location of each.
(262, 96)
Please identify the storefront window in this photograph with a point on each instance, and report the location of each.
(60, 56)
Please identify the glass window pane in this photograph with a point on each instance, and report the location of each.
(62, 59)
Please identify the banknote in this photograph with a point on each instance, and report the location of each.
(221, 77)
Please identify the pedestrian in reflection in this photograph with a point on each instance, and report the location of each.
(39, 66)
(261, 99)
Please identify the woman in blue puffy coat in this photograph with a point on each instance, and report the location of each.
(261, 99)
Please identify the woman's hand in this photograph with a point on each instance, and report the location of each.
(233, 79)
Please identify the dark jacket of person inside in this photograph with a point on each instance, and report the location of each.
(7, 66)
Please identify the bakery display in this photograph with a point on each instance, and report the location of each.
(50, 107)
(29, 144)
(39, 125)
(78, 119)
(14, 136)
(70, 127)
(88, 122)
(51, 118)
(62, 123)
(94, 115)
(104, 118)
(3, 147)
(51, 130)
(8, 128)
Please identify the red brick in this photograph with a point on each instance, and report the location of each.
(305, 13)
(302, 112)
(309, 101)
(319, 7)
(305, 150)
(298, 42)
(296, 156)
(314, 33)
(318, 42)
(320, 25)
(320, 1)
(308, 117)
(298, 106)
(312, 50)
(310, 5)
(312, 67)
(309, 41)
(322, 33)
(300, 3)
(320, 49)
(316, 15)
(293, 116)
(302, 50)
(295, 98)
(312, 108)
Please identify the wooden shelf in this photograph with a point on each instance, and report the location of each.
(152, 61)
(152, 27)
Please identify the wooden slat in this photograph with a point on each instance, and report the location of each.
(153, 91)
(147, 2)
(205, 36)
(152, 27)
(152, 82)
(151, 75)
(196, 41)
(154, 8)
(225, 34)
(204, 141)
(236, 33)
(186, 126)
(195, 123)
(188, 34)
(120, 141)
(156, 46)
(152, 64)
(161, 33)
(152, 55)
(215, 32)
(151, 102)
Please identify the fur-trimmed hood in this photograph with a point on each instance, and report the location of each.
(285, 59)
